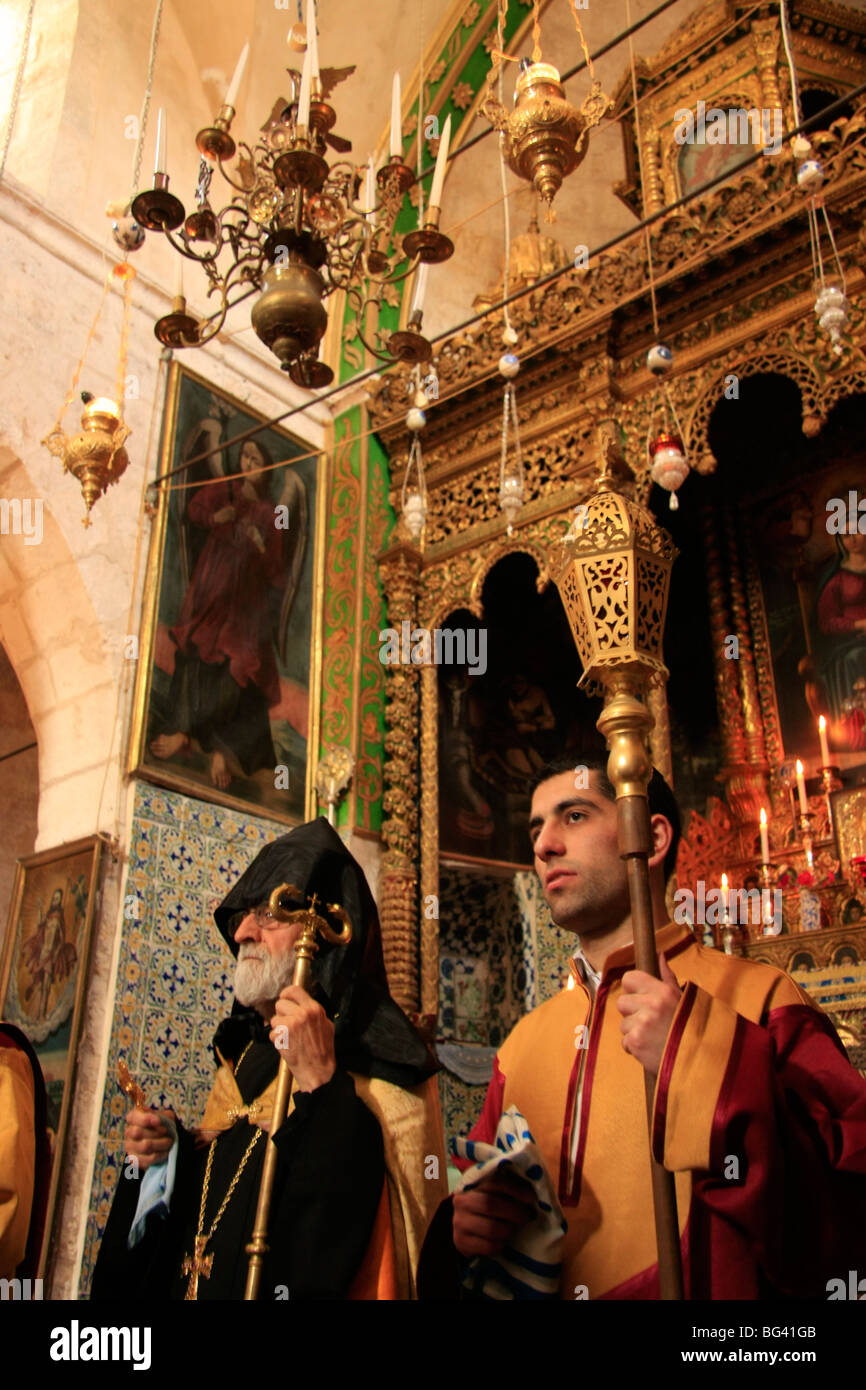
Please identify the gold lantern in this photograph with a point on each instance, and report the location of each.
(545, 136)
(613, 570)
(96, 456)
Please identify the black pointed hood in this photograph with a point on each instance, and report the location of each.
(373, 1036)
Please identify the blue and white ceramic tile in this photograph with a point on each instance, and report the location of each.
(175, 973)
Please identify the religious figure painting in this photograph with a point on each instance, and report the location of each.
(811, 564)
(43, 969)
(228, 671)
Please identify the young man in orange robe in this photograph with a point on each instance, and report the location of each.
(757, 1111)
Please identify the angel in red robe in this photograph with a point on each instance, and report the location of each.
(226, 676)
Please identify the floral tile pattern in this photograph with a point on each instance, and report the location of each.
(175, 972)
(500, 956)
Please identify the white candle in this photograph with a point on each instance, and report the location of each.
(725, 898)
(234, 86)
(396, 122)
(765, 842)
(370, 192)
(801, 789)
(420, 288)
(161, 142)
(441, 161)
(304, 99)
(312, 41)
(825, 749)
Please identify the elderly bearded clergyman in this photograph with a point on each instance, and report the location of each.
(335, 1229)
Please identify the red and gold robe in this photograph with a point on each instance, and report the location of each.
(757, 1111)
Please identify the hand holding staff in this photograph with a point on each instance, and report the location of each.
(306, 948)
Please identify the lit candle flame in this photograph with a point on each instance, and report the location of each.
(569, 984)
(799, 768)
(763, 816)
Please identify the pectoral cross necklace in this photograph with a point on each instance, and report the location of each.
(198, 1265)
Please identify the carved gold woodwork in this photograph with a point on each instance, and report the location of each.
(533, 255)
(731, 721)
(737, 297)
(766, 36)
(429, 932)
(399, 882)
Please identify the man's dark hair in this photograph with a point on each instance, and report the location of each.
(662, 801)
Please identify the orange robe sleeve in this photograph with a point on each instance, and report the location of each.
(17, 1157)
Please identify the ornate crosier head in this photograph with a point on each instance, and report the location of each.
(282, 904)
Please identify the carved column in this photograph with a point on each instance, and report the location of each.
(747, 788)
(727, 684)
(429, 844)
(766, 35)
(400, 567)
(660, 733)
(653, 200)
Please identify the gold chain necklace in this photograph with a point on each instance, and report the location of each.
(199, 1264)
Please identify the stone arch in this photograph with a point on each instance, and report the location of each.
(56, 647)
(19, 771)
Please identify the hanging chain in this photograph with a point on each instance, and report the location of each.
(71, 392)
(145, 106)
(124, 335)
(506, 213)
(647, 237)
(16, 90)
(587, 57)
(536, 33)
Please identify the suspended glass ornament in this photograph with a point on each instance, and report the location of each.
(659, 359)
(414, 500)
(669, 467)
(511, 481)
(831, 306)
(810, 175)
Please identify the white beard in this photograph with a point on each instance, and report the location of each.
(260, 978)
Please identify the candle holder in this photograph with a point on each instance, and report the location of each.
(831, 779)
(214, 141)
(766, 876)
(428, 243)
(300, 166)
(395, 176)
(177, 329)
(377, 261)
(323, 118)
(202, 226)
(156, 208)
(732, 938)
(805, 821)
(311, 373)
(409, 344)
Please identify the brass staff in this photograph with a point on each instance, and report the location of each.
(306, 948)
(612, 569)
